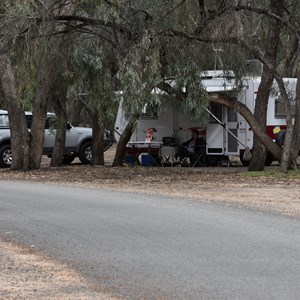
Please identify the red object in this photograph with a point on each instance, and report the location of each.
(150, 134)
(200, 130)
(270, 129)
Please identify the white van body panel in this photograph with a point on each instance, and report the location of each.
(218, 140)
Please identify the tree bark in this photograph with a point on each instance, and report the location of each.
(97, 146)
(286, 163)
(20, 138)
(259, 154)
(40, 112)
(60, 137)
(296, 132)
(124, 139)
(257, 162)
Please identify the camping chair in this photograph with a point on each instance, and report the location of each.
(167, 151)
(196, 159)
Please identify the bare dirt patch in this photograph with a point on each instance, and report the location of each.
(28, 275)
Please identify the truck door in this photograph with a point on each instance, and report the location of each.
(49, 136)
(231, 122)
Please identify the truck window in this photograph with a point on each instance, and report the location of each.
(4, 121)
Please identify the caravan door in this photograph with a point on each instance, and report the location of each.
(231, 122)
(215, 132)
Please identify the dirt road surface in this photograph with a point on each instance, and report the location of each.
(26, 274)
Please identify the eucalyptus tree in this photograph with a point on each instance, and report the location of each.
(63, 77)
(95, 61)
(148, 36)
(271, 45)
(26, 24)
(243, 25)
(20, 138)
(18, 124)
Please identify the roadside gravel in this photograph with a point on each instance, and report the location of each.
(25, 274)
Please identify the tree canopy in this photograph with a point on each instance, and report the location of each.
(137, 45)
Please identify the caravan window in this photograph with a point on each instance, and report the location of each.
(279, 108)
(217, 111)
(150, 111)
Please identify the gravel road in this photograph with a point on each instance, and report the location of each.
(27, 274)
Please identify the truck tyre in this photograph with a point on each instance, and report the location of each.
(67, 159)
(5, 156)
(85, 153)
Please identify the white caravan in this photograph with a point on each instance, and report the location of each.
(220, 143)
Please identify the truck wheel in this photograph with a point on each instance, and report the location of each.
(5, 156)
(67, 159)
(85, 153)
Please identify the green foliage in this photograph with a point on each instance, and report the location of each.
(95, 63)
(136, 58)
(139, 72)
(25, 77)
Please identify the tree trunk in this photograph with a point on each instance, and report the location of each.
(20, 138)
(296, 132)
(60, 137)
(40, 112)
(259, 154)
(124, 139)
(261, 105)
(97, 146)
(287, 146)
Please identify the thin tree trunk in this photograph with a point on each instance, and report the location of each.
(124, 139)
(20, 138)
(257, 162)
(296, 132)
(97, 146)
(286, 153)
(40, 112)
(60, 137)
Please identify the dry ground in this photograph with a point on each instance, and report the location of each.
(25, 274)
